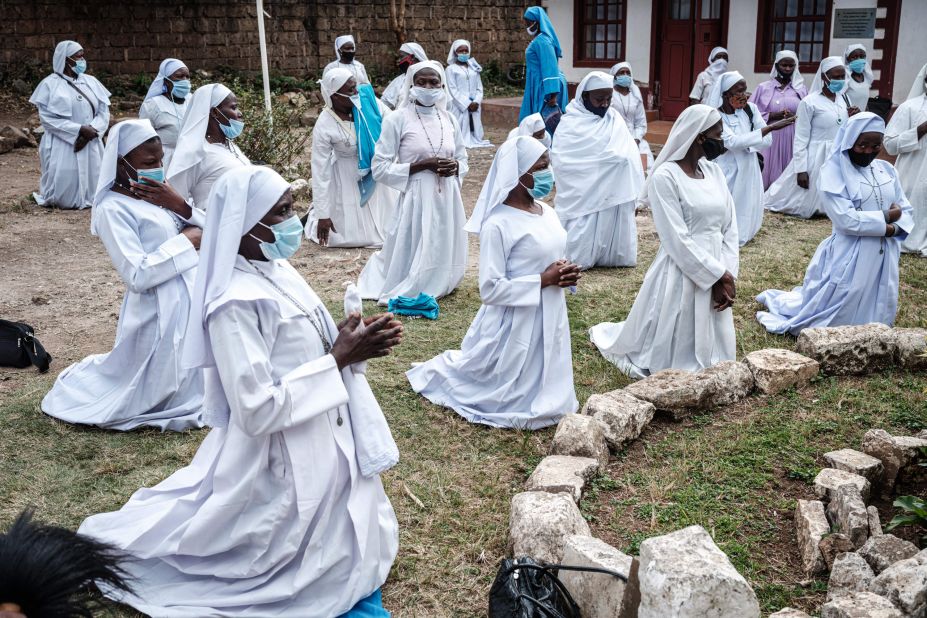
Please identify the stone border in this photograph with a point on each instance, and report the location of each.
(684, 574)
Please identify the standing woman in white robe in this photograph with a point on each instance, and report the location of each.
(859, 82)
(744, 136)
(409, 54)
(466, 90)
(717, 65)
(281, 512)
(682, 317)
(345, 49)
(629, 103)
(532, 126)
(904, 137)
(515, 367)
(74, 110)
(337, 218)
(853, 277)
(820, 115)
(421, 154)
(599, 177)
(147, 231)
(206, 148)
(166, 103)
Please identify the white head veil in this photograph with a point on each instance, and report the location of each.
(867, 72)
(122, 138)
(714, 70)
(332, 82)
(722, 85)
(691, 122)
(341, 40)
(838, 174)
(167, 68)
(530, 125)
(404, 97)
(595, 80)
(191, 143)
(635, 91)
(918, 88)
(512, 160)
(797, 80)
(63, 51)
(415, 49)
(826, 65)
(452, 55)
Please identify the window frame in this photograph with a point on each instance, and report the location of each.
(764, 25)
(579, 24)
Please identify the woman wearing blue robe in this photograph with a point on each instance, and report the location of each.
(853, 277)
(544, 83)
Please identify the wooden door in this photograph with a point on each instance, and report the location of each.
(685, 33)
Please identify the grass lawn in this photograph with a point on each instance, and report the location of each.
(736, 472)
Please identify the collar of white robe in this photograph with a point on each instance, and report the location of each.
(838, 174)
(123, 137)
(191, 143)
(167, 68)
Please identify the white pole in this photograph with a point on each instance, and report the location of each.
(263, 42)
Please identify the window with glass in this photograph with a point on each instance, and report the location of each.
(798, 25)
(598, 32)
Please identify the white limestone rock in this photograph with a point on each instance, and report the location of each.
(676, 392)
(860, 605)
(829, 479)
(684, 575)
(810, 527)
(621, 415)
(875, 522)
(911, 348)
(905, 585)
(847, 512)
(849, 350)
(539, 524)
(580, 436)
(851, 460)
(789, 612)
(883, 551)
(834, 545)
(850, 574)
(733, 382)
(563, 474)
(776, 370)
(600, 595)
(895, 452)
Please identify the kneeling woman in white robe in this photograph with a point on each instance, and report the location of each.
(281, 512)
(599, 177)
(532, 126)
(514, 368)
(206, 147)
(853, 277)
(420, 153)
(74, 110)
(340, 215)
(682, 317)
(146, 231)
(466, 90)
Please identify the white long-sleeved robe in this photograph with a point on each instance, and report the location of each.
(425, 249)
(335, 194)
(816, 124)
(166, 116)
(631, 109)
(673, 323)
(141, 381)
(858, 92)
(853, 277)
(196, 181)
(391, 93)
(514, 368)
(742, 169)
(272, 517)
(69, 179)
(901, 139)
(466, 87)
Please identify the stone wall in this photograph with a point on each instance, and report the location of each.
(132, 36)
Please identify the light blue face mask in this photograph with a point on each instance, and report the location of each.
(543, 183)
(463, 57)
(288, 235)
(233, 129)
(80, 66)
(836, 85)
(155, 173)
(181, 88)
(857, 66)
(623, 80)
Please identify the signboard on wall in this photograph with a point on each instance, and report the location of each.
(854, 23)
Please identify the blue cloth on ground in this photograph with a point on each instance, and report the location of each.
(371, 607)
(423, 305)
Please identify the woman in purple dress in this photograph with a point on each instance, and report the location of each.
(778, 98)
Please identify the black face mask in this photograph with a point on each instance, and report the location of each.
(861, 159)
(713, 148)
(404, 65)
(347, 57)
(782, 77)
(598, 111)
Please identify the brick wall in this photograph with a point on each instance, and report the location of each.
(132, 36)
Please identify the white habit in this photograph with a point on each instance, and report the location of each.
(166, 116)
(631, 109)
(466, 87)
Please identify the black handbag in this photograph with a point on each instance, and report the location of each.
(525, 589)
(19, 347)
(759, 155)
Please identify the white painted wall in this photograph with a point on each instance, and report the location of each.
(741, 40)
(912, 46)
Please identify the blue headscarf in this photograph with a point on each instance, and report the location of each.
(538, 14)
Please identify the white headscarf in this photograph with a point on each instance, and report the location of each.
(512, 160)
(167, 68)
(918, 88)
(715, 69)
(407, 84)
(415, 49)
(530, 125)
(340, 41)
(49, 93)
(635, 91)
(332, 82)
(867, 72)
(123, 138)
(826, 65)
(452, 55)
(722, 85)
(191, 143)
(797, 80)
(237, 201)
(691, 122)
(838, 174)
(63, 51)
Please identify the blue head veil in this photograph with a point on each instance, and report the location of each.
(538, 14)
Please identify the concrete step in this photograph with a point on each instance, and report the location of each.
(501, 113)
(658, 131)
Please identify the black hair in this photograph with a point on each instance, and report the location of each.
(49, 571)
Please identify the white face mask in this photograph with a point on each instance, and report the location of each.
(533, 29)
(355, 99)
(721, 63)
(426, 97)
